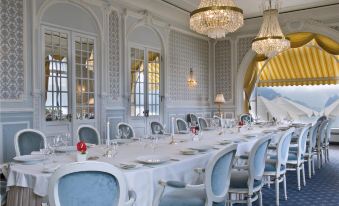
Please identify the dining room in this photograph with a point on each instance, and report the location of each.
(169, 102)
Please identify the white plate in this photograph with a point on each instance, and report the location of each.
(188, 152)
(66, 149)
(224, 142)
(202, 148)
(30, 158)
(153, 159)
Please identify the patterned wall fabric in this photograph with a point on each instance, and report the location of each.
(244, 44)
(187, 52)
(223, 69)
(114, 56)
(11, 56)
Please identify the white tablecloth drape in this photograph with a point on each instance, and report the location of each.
(143, 180)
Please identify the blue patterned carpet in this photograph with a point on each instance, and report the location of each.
(321, 190)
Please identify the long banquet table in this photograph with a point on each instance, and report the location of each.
(28, 184)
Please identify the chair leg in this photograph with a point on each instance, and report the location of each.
(249, 200)
(328, 153)
(313, 165)
(260, 198)
(269, 181)
(285, 188)
(303, 170)
(309, 164)
(318, 159)
(277, 191)
(298, 176)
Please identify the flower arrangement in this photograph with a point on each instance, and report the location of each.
(81, 154)
(81, 147)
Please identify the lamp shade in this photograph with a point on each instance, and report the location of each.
(219, 98)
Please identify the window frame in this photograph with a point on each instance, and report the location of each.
(71, 64)
(146, 50)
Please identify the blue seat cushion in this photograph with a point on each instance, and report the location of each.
(293, 156)
(239, 180)
(185, 197)
(271, 167)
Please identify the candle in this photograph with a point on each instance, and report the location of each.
(107, 135)
(172, 125)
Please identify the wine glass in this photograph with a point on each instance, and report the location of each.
(154, 142)
(157, 129)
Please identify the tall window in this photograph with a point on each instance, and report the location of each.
(62, 69)
(56, 75)
(145, 82)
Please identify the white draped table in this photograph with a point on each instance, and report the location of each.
(28, 181)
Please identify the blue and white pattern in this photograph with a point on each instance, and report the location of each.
(11, 56)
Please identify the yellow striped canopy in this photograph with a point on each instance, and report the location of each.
(312, 60)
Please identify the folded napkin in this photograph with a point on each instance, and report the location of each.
(50, 168)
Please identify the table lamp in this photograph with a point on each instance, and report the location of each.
(219, 100)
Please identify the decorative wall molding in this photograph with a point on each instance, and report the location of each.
(223, 69)
(243, 45)
(12, 70)
(114, 55)
(187, 52)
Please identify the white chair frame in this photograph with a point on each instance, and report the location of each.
(181, 131)
(327, 140)
(320, 142)
(203, 119)
(128, 125)
(298, 164)
(207, 186)
(88, 166)
(309, 155)
(251, 190)
(280, 175)
(16, 139)
(89, 126)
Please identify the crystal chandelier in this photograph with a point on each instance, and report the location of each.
(216, 18)
(270, 40)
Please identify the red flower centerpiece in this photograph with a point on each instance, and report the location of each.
(81, 154)
(81, 147)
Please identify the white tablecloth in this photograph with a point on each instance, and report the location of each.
(143, 180)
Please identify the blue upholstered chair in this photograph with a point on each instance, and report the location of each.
(296, 155)
(88, 134)
(182, 126)
(157, 126)
(248, 181)
(276, 168)
(88, 184)
(28, 140)
(192, 118)
(202, 123)
(320, 142)
(310, 148)
(326, 146)
(125, 131)
(212, 192)
(247, 118)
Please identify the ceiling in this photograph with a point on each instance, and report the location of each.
(252, 7)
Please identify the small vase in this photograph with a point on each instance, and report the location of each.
(81, 157)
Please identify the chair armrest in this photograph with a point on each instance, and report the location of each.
(293, 145)
(201, 186)
(132, 196)
(172, 183)
(199, 170)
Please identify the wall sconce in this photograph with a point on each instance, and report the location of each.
(191, 81)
